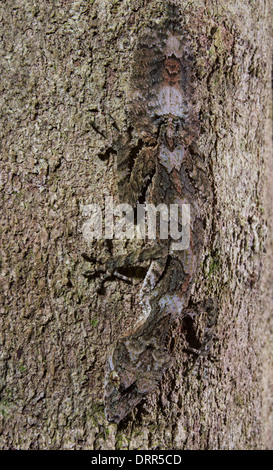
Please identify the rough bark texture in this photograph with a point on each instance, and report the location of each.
(65, 69)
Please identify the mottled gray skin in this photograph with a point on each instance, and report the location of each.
(158, 162)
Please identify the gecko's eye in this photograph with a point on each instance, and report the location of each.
(157, 118)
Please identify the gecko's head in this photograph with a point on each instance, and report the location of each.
(121, 396)
(134, 371)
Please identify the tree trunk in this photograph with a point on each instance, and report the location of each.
(65, 82)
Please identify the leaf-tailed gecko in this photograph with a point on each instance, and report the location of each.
(158, 162)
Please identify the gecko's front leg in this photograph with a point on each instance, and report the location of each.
(138, 360)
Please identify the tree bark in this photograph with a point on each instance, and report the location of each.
(65, 74)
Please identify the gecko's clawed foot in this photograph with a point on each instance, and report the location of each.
(128, 268)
